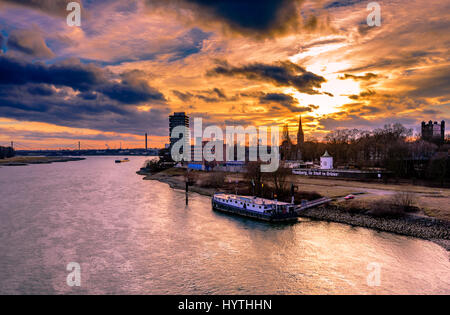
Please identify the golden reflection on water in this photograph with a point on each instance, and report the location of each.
(134, 236)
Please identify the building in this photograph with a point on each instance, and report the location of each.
(196, 166)
(433, 132)
(326, 161)
(6, 152)
(288, 150)
(176, 120)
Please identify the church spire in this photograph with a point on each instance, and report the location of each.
(300, 134)
(286, 137)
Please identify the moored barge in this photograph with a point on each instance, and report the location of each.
(255, 208)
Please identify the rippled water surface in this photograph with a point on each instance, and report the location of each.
(137, 237)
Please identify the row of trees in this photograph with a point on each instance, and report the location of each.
(6, 152)
(392, 147)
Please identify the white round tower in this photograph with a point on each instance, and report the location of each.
(326, 161)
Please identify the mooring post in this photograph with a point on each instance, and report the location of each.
(253, 186)
(187, 186)
(292, 193)
(187, 192)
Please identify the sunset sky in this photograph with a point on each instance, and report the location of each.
(233, 62)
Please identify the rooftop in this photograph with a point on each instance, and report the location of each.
(250, 199)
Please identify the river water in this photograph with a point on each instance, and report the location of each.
(137, 237)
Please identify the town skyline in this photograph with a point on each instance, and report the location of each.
(319, 60)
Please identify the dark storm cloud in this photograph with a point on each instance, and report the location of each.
(77, 95)
(366, 77)
(129, 92)
(176, 49)
(342, 3)
(324, 42)
(52, 7)
(80, 77)
(220, 93)
(184, 97)
(188, 44)
(363, 95)
(75, 75)
(284, 100)
(401, 60)
(29, 42)
(432, 83)
(283, 73)
(260, 18)
(431, 112)
(336, 121)
(209, 96)
(100, 114)
(41, 89)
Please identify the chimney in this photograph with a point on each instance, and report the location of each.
(146, 143)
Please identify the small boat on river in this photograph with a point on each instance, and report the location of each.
(122, 161)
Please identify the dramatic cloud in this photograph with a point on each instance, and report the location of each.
(132, 89)
(284, 100)
(53, 7)
(366, 77)
(262, 18)
(283, 73)
(184, 97)
(78, 95)
(342, 3)
(34, 103)
(363, 95)
(72, 74)
(30, 43)
(281, 56)
(214, 95)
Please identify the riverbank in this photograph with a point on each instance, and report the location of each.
(431, 229)
(176, 180)
(26, 160)
(414, 225)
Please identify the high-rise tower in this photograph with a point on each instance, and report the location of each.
(179, 119)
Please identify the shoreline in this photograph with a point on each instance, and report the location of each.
(426, 228)
(30, 160)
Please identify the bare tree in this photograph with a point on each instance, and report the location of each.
(279, 181)
(255, 177)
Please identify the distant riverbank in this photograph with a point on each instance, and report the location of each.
(26, 160)
(437, 231)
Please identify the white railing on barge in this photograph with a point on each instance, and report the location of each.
(312, 204)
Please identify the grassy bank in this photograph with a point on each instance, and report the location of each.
(26, 160)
